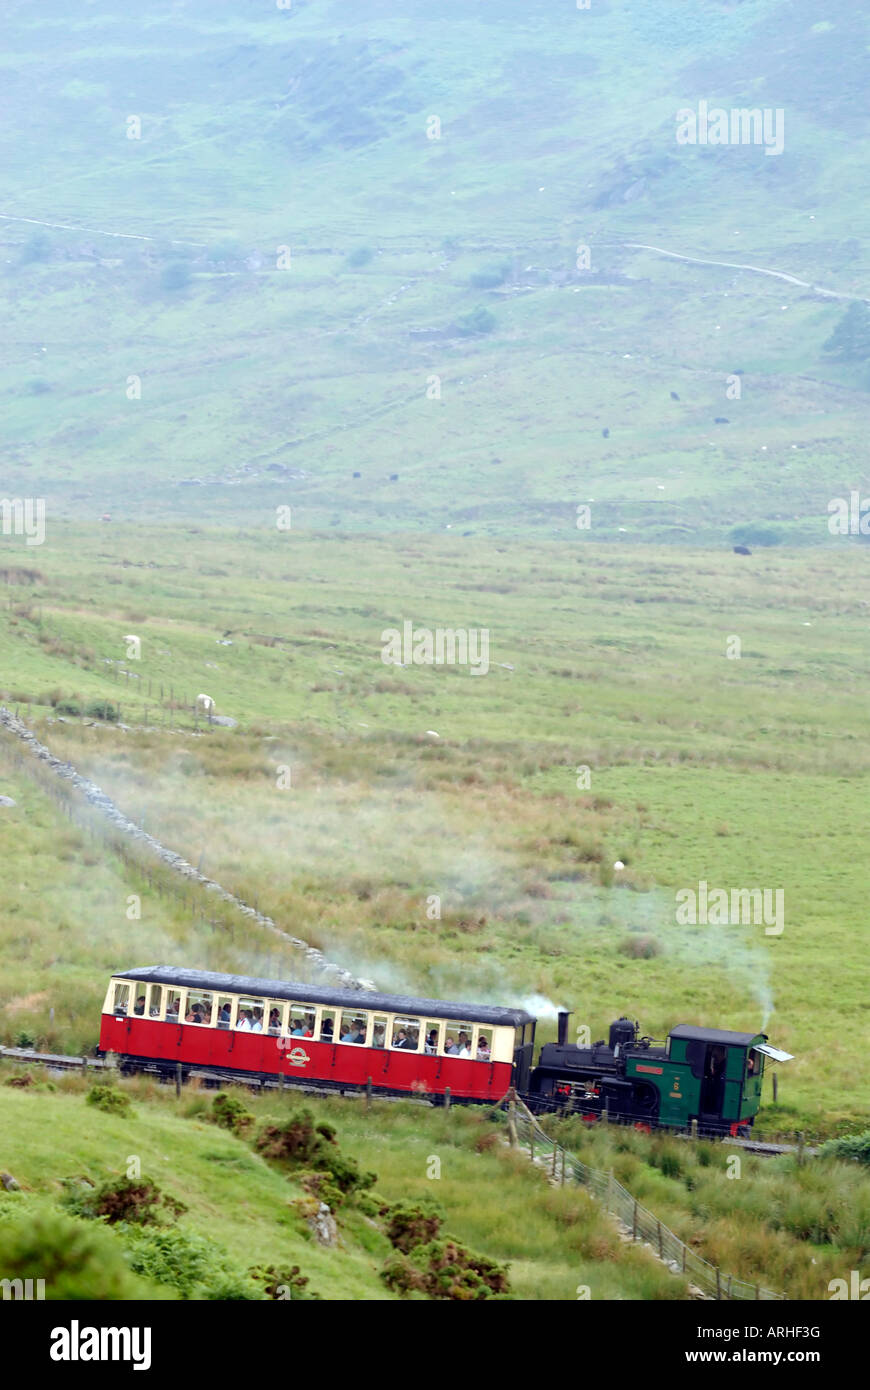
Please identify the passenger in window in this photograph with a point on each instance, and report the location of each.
(400, 1038)
(432, 1043)
(243, 1023)
(463, 1049)
(344, 1033)
(154, 1011)
(274, 1020)
(172, 1010)
(224, 1015)
(483, 1053)
(299, 1030)
(191, 1016)
(326, 1030)
(140, 1005)
(358, 1032)
(450, 1048)
(378, 1037)
(309, 1027)
(257, 1023)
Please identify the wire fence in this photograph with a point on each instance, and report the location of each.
(642, 1224)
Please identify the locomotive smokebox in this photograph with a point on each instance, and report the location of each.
(562, 1036)
(622, 1033)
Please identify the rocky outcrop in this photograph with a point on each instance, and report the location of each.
(98, 798)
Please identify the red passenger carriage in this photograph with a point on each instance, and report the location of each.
(251, 1029)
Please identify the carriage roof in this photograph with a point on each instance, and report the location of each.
(301, 993)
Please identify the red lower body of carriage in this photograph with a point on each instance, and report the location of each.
(302, 1059)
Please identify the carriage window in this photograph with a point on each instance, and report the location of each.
(199, 1005)
(224, 1011)
(431, 1037)
(276, 1013)
(122, 999)
(155, 1000)
(300, 1021)
(173, 1002)
(249, 1018)
(483, 1046)
(353, 1026)
(328, 1030)
(379, 1030)
(406, 1033)
(139, 1002)
(457, 1039)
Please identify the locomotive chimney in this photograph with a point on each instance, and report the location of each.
(564, 1015)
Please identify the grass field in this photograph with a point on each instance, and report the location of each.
(743, 772)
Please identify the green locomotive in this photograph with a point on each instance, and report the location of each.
(705, 1076)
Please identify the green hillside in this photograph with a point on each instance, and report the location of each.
(293, 262)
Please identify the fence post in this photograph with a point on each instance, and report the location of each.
(634, 1221)
(368, 1093)
(718, 1284)
(684, 1257)
(757, 1293)
(553, 1170)
(728, 1292)
(609, 1189)
(563, 1167)
(695, 1127)
(446, 1097)
(605, 1114)
(661, 1249)
(178, 1078)
(800, 1152)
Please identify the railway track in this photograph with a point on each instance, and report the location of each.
(60, 1061)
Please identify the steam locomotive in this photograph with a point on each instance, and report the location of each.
(706, 1079)
(170, 1020)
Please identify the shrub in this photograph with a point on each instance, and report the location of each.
(109, 1099)
(640, 947)
(479, 320)
(852, 1147)
(283, 1284)
(296, 1141)
(68, 707)
(24, 1039)
(134, 1200)
(300, 1142)
(102, 709)
(229, 1112)
(189, 1263)
(444, 1269)
(361, 256)
(77, 1261)
(411, 1224)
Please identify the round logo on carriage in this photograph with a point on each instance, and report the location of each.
(298, 1057)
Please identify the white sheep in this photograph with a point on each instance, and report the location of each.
(205, 705)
